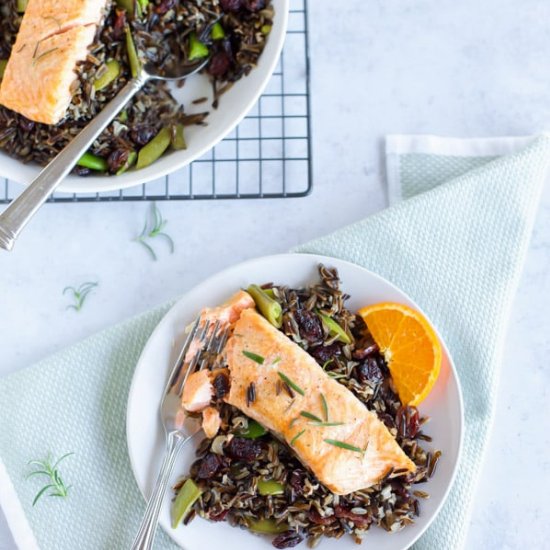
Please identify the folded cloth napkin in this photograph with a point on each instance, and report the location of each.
(456, 245)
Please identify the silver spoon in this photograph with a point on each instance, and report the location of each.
(16, 216)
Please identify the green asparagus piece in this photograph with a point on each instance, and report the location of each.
(197, 50)
(269, 308)
(270, 487)
(335, 329)
(178, 137)
(187, 496)
(217, 32)
(267, 526)
(132, 157)
(253, 431)
(111, 73)
(22, 5)
(93, 162)
(133, 58)
(154, 149)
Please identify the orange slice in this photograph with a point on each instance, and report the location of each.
(409, 345)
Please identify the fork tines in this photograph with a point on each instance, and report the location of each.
(209, 339)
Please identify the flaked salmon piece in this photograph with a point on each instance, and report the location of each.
(211, 422)
(372, 451)
(53, 37)
(198, 391)
(226, 314)
(230, 311)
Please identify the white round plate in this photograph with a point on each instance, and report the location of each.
(144, 430)
(234, 105)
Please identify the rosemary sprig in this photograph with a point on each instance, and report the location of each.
(254, 357)
(154, 227)
(324, 404)
(344, 445)
(79, 294)
(55, 484)
(296, 437)
(290, 383)
(310, 416)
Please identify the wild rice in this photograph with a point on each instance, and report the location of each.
(307, 508)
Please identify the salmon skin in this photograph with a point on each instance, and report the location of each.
(54, 36)
(333, 434)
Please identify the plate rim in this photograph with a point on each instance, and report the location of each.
(109, 184)
(315, 258)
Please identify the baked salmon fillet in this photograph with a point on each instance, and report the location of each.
(54, 36)
(333, 434)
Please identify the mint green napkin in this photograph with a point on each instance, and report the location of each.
(457, 249)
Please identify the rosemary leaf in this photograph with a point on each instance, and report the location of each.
(292, 384)
(254, 357)
(296, 437)
(310, 416)
(343, 445)
(324, 404)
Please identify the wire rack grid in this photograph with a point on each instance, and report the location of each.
(268, 155)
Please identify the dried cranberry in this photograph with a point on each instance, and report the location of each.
(369, 371)
(210, 466)
(316, 517)
(243, 449)
(325, 353)
(25, 124)
(218, 517)
(364, 346)
(309, 325)
(288, 539)
(165, 6)
(254, 5)
(297, 480)
(231, 5)
(219, 64)
(142, 134)
(221, 385)
(119, 24)
(400, 490)
(117, 159)
(407, 421)
(360, 521)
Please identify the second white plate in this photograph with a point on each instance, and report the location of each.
(144, 430)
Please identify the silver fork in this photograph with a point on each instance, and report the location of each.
(179, 428)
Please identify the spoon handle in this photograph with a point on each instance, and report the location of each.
(21, 210)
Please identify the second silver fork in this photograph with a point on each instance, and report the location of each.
(178, 426)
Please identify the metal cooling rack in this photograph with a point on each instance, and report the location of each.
(267, 156)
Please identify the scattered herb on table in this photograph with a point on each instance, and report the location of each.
(79, 294)
(55, 483)
(154, 227)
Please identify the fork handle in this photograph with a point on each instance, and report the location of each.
(146, 534)
(16, 216)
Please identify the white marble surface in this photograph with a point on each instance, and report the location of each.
(465, 68)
